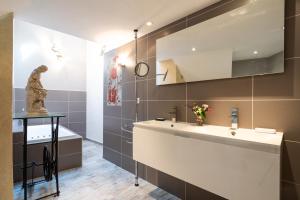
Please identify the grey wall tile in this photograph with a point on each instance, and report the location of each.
(129, 110)
(127, 146)
(127, 124)
(77, 117)
(77, 96)
(112, 141)
(113, 111)
(128, 90)
(112, 125)
(20, 106)
(57, 95)
(62, 120)
(112, 156)
(128, 164)
(78, 127)
(19, 94)
(35, 122)
(77, 106)
(57, 106)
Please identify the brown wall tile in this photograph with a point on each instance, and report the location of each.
(292, 8)
(166, 92)
(214, 10)
(239, 88)
(162, 109)
(152, 70)
(291, 162)
(152, 175)
(195, 193)
(171, 184)
(292, 39)
(69, 161)
(281, 115)
(221, 110)
(290, 191)
(279, 86)
(142, 48)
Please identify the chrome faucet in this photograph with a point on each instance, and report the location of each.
(234, 118)
(173, 114)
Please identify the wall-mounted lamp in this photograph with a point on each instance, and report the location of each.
(58, 53)
(122, 60)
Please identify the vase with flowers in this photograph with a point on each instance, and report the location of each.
(200, 113)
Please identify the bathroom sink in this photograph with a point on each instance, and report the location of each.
(248, 138)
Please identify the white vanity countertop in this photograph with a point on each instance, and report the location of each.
(246, 138)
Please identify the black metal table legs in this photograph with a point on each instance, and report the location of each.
(25, 158)
(54, 155)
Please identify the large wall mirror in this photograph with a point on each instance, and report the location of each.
(246, 41)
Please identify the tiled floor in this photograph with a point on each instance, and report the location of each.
(98, 179)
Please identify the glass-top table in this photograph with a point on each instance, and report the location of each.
(24, 115)
(53, 153)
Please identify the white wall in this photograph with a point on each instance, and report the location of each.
(94, 83)
(32, 48)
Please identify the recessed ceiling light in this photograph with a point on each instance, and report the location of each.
(149, 23)
(193, 49)
(255, 52)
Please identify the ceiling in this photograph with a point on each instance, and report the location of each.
(108, 22)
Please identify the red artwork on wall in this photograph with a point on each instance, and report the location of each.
(114, 89)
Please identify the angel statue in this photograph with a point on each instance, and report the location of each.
(35, 93)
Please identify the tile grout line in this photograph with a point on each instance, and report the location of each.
(186, 92)
(147, 96)
(291, 17)
(292, 141)
(252, 104)
(210, 10)
(68, 110)
(186, 103)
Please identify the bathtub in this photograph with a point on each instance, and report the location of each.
(38, 136)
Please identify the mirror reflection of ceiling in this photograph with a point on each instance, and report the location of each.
(243, 42)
